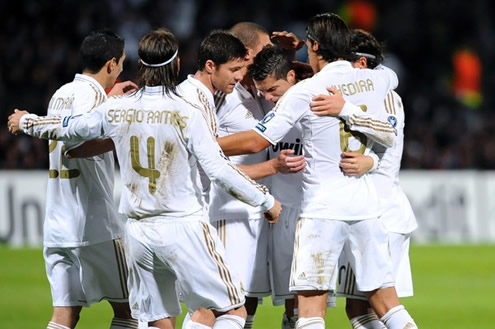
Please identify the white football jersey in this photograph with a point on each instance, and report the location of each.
(327, 192)
(398, 215)
(240, 111)
(287, 188)
(159, 141)
(195, 92)
(80, 208)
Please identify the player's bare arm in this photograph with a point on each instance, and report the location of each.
(14, 120)
(355, 164)
(287, 40)
(91, 148)
(122, 88)
(284, 163)
(246, 142)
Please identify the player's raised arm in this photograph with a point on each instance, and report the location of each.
(372, 123)
(246, 142)
(226, 174)
(71, 128)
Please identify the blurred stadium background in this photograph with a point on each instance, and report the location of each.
(442, 51)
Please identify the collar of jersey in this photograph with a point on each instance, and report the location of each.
(337, 66)
(198, 84)
(87, 78)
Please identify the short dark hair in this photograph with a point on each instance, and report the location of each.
(364, 44)
(98, 48)
(332, 35)
(220, 47)
(157, 47)
(248, 33)
(271, 60)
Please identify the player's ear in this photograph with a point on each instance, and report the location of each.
(315, 46)
(210, 66)
(110, 65)
(363, 62)
(291, 77)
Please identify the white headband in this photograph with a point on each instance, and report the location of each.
(366, 55)
(161, 64)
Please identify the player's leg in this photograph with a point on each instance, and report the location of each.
(358, 310)
(204, 278)
(369, 257)
(246, 250)
(317, 246)
(152, 285)
(104, 276)
(281, 247)
(62, 270)
(64, 317)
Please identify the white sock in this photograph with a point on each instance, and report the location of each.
(398, 318)
(367, 321)
(310, 323)
(53, 325)
(229, 321)
(249, 322)
(119, 323)
(195, 325)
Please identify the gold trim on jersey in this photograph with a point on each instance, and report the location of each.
(222, 268)
(208, 114)
(219, 99)
(40, 121)
(99, 97)
(122, 266)
(377, 125)
(390, 103)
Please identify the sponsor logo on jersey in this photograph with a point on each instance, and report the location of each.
(297, 147)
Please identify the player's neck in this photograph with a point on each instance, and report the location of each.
(248, 84)
(98, 77)
(205, 79)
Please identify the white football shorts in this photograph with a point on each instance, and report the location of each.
(399, 253)
(246, 247)
(82, 276)
(172, 259)
(319, 243)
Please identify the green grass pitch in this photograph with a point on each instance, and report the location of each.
(454, 289)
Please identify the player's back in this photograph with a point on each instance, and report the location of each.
(398, 215)
(80, 208)
(151, 131)
(328, 193)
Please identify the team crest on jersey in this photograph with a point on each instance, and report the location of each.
(261, 125)
(392, 120)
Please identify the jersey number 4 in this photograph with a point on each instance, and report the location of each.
(151, 172)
